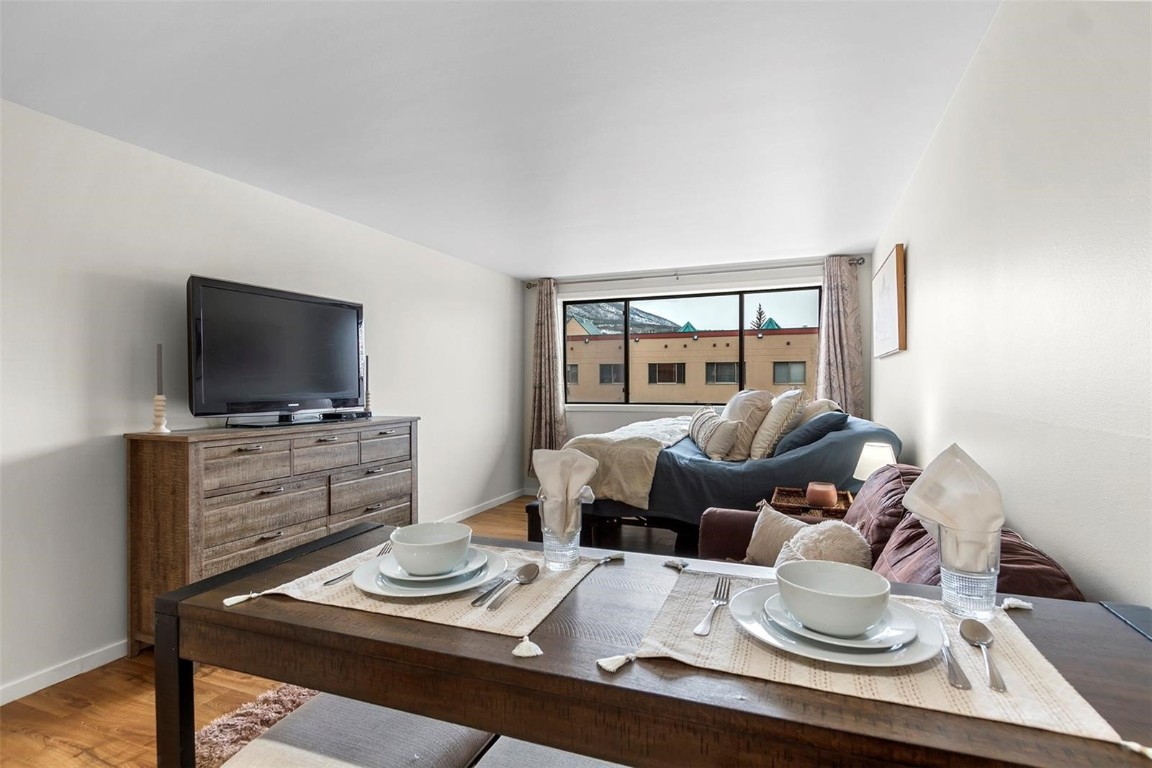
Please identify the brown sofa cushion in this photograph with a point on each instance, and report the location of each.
(879, 506)
(912, 557)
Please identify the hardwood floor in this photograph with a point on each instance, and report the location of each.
(106, 717)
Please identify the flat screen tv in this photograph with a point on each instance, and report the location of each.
(254, 350)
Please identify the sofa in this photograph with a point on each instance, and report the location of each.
(902, 550)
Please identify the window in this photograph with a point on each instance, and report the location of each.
(721, 373)
(573, 374)
(789, 373)
(709, 345)
(666, 373)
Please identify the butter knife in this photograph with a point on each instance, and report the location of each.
(956, 675)
(496, 585)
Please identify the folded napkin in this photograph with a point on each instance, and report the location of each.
(956, 492)
(564, 475)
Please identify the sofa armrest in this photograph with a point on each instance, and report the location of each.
(725, 533)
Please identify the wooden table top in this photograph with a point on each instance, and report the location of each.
(655, 712)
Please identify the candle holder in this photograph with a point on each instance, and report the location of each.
(159, 414)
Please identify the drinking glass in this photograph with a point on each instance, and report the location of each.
(969, 565)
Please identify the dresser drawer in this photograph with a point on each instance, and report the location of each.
(263, 511)
(385, 444)
(397, 514)
(244, 463)
(249, 550)
(325, 451)
(364, 486)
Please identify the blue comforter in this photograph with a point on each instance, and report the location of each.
(687, 482)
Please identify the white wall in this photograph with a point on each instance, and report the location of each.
(1027, 227)
(99, 238)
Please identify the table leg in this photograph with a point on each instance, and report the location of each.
(175, 705)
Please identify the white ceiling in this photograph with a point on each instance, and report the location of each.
(538, 139)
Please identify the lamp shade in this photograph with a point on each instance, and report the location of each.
(872, 457)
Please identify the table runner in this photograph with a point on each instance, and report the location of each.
(1038, 695)
(521, 613)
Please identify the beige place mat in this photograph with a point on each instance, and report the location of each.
(521, 613)
(1038, 696)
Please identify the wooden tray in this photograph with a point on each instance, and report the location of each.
(792, 501)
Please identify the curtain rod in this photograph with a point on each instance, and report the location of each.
(530, 284)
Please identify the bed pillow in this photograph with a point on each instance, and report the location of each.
(830, 540)
(806, 434)
(771, 531)
(749, 407)
(711, 433)
(819, 408)
(782, 419)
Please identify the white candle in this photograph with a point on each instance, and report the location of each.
(159, 369)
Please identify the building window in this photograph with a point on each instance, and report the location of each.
(710, 345)
(573, 374)
(793, 372)
(721, 373)
(666, 373)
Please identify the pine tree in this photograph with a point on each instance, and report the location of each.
(759, 319)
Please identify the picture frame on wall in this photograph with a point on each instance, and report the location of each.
(889, 331)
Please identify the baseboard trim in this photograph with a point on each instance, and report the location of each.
(38, 681)
(483, 507)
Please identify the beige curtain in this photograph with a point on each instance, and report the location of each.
(549, 428)
(840, 365)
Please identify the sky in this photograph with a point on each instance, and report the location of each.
(791, 309)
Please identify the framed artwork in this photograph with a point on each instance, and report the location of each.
(888, 324)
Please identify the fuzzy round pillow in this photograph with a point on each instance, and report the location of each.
(830, 540)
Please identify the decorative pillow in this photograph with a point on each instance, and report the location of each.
(748, 406)
(782, 419)
(829, 540)
(818, 408)
(772, 530)
(806, 434)
(713, 434)
(879, 505)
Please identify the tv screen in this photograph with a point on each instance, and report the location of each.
(262, 350)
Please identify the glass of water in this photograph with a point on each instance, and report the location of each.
(969, 566)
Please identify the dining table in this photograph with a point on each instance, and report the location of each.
(639, 711)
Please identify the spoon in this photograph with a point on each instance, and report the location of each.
(979, 635)
(525, 574)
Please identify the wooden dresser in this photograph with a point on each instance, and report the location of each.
(204, 501)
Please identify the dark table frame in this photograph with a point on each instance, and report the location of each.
(655, 712)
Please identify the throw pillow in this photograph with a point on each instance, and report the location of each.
(879, 504)
(713, 434)
(830, 540)
(771, 531)
(748, 406)
(818, 408)
(806, 434)
(782, 419)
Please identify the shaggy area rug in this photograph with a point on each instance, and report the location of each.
(227, 735)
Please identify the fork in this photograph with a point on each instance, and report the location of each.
(719, 598)
(383, 551)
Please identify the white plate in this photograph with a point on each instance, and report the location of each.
(747, 608)
(368, 578)
(897, 625)
(474, 559)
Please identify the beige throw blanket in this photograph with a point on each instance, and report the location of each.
(627, 457)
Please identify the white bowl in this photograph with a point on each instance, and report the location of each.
(428, 549)
(832, 598)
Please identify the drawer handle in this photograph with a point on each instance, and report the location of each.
(250, 449)
(387, 432)
(372, 508)
(331, 439)
(375, 471)
(271, 491)
(270, 536)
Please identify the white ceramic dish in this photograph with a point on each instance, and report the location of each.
(747, 608)
(896, 626)
(475, 560)
(368, 578)
(833, 598)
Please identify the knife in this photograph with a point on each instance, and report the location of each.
(496, 584)
(956, 675)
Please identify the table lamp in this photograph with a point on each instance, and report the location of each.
(872, 457)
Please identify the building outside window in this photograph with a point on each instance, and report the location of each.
(721, 373)
(665, 373)
(791, 372)
(611, 373)
(573, 373)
